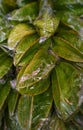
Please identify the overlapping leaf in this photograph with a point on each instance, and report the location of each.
(17, 33)
(66, 84)
(47, 22)
(74, 38)
(36, 88)
(25, 108)
(26, 13)
(12, 101)
(66, 47)
(22, 49)
(41, 109)
(33, 111)
(38, 68)
(4, 29)
(70, 13)
(5, 63)
(4, 91)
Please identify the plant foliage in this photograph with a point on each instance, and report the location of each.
(41, 65)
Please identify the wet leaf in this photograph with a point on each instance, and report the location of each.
(74, 38)
(17, 34)
(4, 29)
(66, 86)
(47, 22)
(25, 108)
(26, 13)
(41, 109)
(64, 49)
(37, 88)
(4, 66)
(70, 14)
(4, 92)
(24, 46)
(12, 101)
(38, 68)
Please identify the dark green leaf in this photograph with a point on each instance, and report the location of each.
(73, 38)
(9, 5)
(4, 92)
(70, 14)
(25, 108)
(66, 86)
(12, 101)
(64, 49)
(41, 109)
(4, 66)
(26, 13)
(38, 68)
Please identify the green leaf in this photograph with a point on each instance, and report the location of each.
(47, 22)
(41, 109)
(26, 13)
(37, 88)
(21, 3)
(4, 92)
(4, 66)
(4, 29)
(24, 46)
(12, 101)
(64, 49)
(70, 15)
(66, 87)
(73, 38)
(25, 108)
(38, 68)
(17, 34)
(56, 123)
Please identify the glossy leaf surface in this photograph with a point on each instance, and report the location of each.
(26, 13)
(47, 22)
(66, 94)
(41, 109)
(39, 68)
(17, 33)
(4, 66)
(4, 28)
(64, 49)
(24, 46)
(37, 88)
(25, 108)
(73, 38)
(70, 13)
